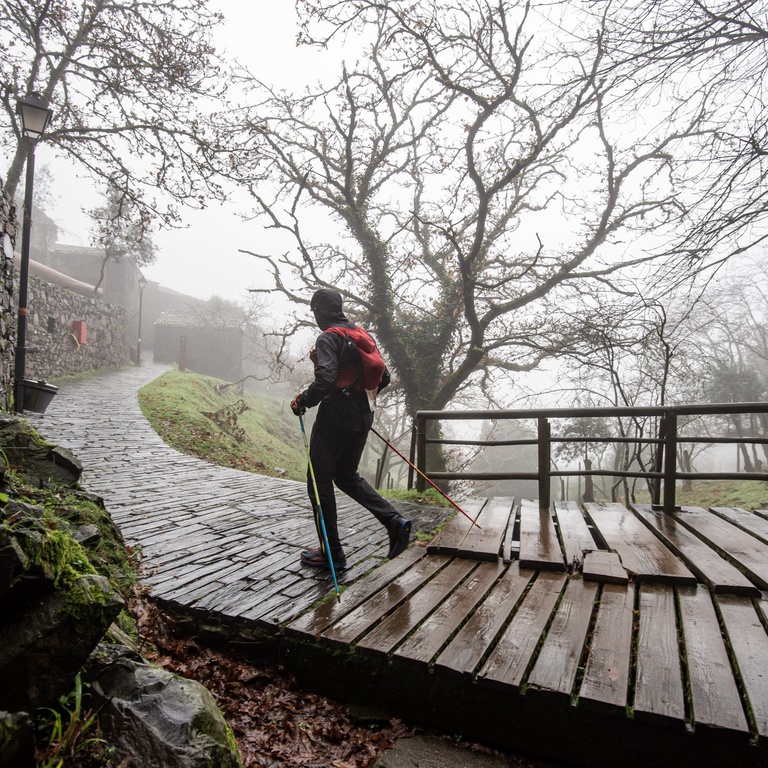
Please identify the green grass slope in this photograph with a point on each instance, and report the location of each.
(749, 494)
(201, 416)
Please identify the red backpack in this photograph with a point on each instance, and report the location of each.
(362, 366)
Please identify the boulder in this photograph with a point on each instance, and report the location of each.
(13, 563)
(46, 641)
(155, 717)
(17, 740)
(36, 461)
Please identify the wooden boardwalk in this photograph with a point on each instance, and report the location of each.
(664, 634)
(599, 635)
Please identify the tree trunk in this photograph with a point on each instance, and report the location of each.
(589, 486)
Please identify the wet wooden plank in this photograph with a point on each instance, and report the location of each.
(715, 697)
(431, 636)
(539, 546)
(707, 564)
(396, 626)
(466, 650)
(749, 522)
(362, 618)
(604, 567)
(450, 539)
(316, 621)
(574, 532)
(509, 660)
(486, 543)
(659, 677)
(558, 662)
(762, 606)
(749, 642)
(606, 676)
(641, 553)
(741, 547)
(511, 546)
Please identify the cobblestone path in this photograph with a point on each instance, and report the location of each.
(211, 538)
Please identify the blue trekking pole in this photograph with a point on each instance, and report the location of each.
(326, 544)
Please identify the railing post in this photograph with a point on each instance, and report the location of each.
(412, 456)
(658, 465)
(670, 463)
(421, 451)
(544, 462)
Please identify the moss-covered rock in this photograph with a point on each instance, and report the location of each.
(36, 461)
(157, 718)
(57, 596)
(45, 642)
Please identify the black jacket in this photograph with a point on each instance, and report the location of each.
(348, 410)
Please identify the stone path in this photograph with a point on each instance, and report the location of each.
(211, 538)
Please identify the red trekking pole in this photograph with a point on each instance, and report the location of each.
(413, 466)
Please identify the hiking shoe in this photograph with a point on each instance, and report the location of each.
(316, 559)
(399, 536)
(312, 552)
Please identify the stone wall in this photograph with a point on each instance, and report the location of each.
(54, 345)
(7, 303)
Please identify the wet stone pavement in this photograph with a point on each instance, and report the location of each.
(211, 538)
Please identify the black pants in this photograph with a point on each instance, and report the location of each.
(335, 454)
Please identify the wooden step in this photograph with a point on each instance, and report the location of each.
(539, 545)
(743, 549)
(641, 553)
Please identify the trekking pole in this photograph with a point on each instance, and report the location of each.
(413, 466)
(326, 544)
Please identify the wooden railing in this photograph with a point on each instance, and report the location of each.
(663, 475)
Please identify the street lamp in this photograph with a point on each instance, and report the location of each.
(142, 285)
(35, 116)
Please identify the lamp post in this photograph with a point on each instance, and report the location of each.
(35, 116)
(142, 285)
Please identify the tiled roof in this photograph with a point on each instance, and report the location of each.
(179, 318)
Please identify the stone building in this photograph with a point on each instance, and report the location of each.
(210, 343)
(85, 312)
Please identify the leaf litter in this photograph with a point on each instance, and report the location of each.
(276, 723)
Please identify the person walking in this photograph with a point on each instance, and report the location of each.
(349, 373)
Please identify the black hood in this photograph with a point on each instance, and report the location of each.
(327, 305)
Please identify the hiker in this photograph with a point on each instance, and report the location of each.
(349, 373)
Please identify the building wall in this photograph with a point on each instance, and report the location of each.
(214, 352)
(53, 348)
(159, 299)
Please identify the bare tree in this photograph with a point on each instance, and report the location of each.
(635, 352)
(475, 181)
(122, 231)
(734, 352)
(126, 81)
(707, 56)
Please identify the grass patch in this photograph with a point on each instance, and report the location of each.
(429, 496)
(200, 417)
(749, 494)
